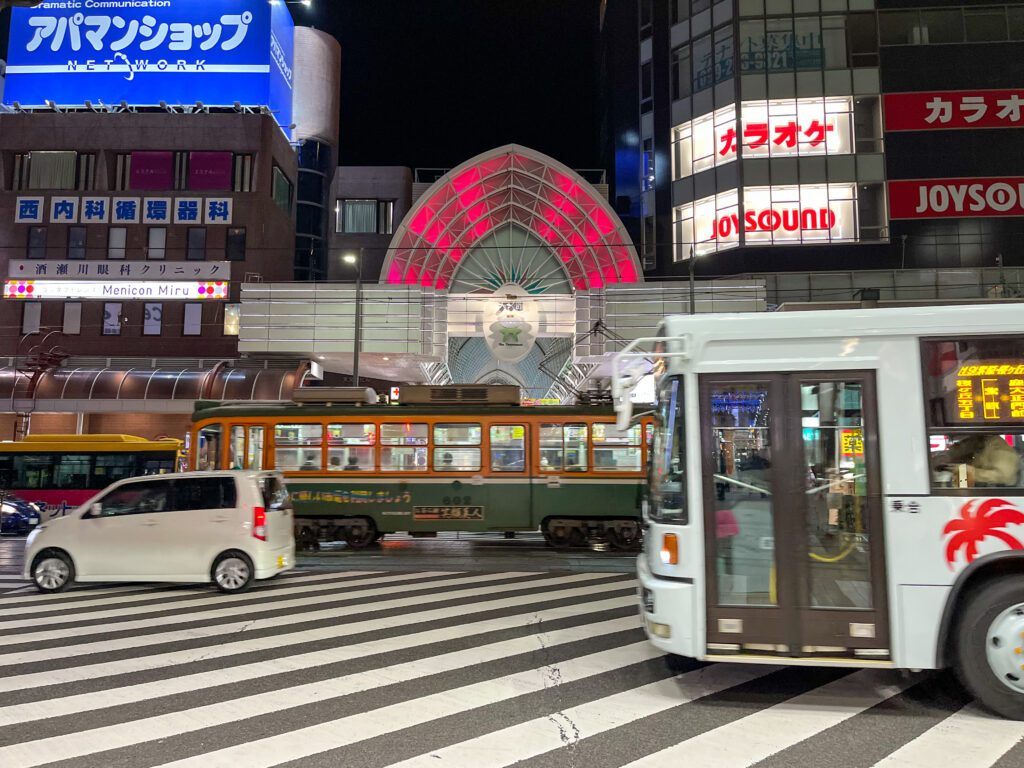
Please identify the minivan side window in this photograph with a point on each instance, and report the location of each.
(275, 495)
(136, 499)
(204, 493)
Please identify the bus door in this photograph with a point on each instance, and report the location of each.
(792, 513)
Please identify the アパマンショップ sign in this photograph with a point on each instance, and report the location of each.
(945, 110)
(951, 198)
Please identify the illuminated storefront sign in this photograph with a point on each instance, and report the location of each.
(146, 51)
(80, 289)
(771, 215)
(62, 209)
(852, 446)
(990, 392)
(777, 128)
(107, 270)
(945, 110)
(950, 198)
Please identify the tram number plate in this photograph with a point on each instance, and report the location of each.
(448, 513)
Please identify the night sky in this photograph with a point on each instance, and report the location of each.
(430, 84)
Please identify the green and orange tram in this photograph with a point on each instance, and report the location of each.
(454, 459)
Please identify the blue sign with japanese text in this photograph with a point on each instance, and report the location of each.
(143, 52)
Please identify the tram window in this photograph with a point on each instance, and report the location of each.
(396, 459)
(236, 448)
(254, 453)
(616, 451)
(298, 446)
(404, 434)
(457, 434)
(456, 459)
(550, 447)
(575, 445)
(508, 449)
(209, 447)
(977, 460)
(350, 447)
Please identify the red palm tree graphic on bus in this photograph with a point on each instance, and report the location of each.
(977, 524)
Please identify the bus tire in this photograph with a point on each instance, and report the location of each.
(362, 536)
(988, 646)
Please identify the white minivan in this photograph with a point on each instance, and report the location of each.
(224, 527)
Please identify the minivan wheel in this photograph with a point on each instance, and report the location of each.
(52, 571)
(232, 572)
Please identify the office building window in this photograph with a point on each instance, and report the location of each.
(680, 10)
(232, 319)
(112, 319)
(152, 318)
(681, 72)
(236, 244)
(193, 320)
(724, 68)
(365, 216)
(76, 242)
(646, 100)
(197, 243)
(72, 318)
(37, 242)
(242, 173)
(282, 190)
(122, 172)
(31, 313)
(116, 239)
(156, 246)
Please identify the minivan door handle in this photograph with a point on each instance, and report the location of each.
(222, 519)
(150, 523)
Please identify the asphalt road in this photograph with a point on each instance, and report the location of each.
(368, 667)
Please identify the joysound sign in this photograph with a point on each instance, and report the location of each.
(143, 52)
(951, 198)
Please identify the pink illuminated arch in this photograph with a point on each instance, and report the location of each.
(511, 185)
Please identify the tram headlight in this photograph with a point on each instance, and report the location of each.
(670, 549)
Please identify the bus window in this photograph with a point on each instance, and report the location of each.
(575, 442)
(298, 447)
(977, 460)
(72, 471)
(616, 451)
(447, 457)
(159, 463)
(395, 453)
(208, 450)
(508, 449)
(550, 447)
(254, 453)
(350, 447)
(35, 470)
(236, 448)
(111, 467)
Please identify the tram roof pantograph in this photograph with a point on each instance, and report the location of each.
(506, 187)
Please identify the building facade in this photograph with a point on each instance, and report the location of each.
(784, 135)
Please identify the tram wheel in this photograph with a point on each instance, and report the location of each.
(625, 538)
(360, 537)
(561, 536)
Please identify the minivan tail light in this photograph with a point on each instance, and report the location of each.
(670, 549)
(259, 523)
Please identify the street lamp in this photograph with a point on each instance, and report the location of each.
(693, 292)
(357, 261)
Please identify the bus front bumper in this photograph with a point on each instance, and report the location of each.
(666, 610)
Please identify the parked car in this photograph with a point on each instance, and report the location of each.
(228, 527)
(18, 517)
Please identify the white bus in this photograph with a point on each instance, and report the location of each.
(839, 488)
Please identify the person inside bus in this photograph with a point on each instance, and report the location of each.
(446, 461)
(353, 463)
(334, 463)
(989, 459)
(310, 462)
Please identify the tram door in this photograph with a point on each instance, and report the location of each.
(792, 513)
(508, 463)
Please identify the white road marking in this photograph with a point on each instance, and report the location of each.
(969, 738)
(279, 642)
(560, 730)
(760, 735)
(130, 694)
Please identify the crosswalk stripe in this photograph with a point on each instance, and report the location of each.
(258, 624)
(969, 738)
(77, 599)
(165, 726)
(544, 734)
(230, 608)
(132, 694)
(755, 737)
(304, 742)
(13, 682)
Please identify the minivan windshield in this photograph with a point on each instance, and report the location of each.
(668, 464)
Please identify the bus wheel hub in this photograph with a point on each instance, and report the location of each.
(1004, 647)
